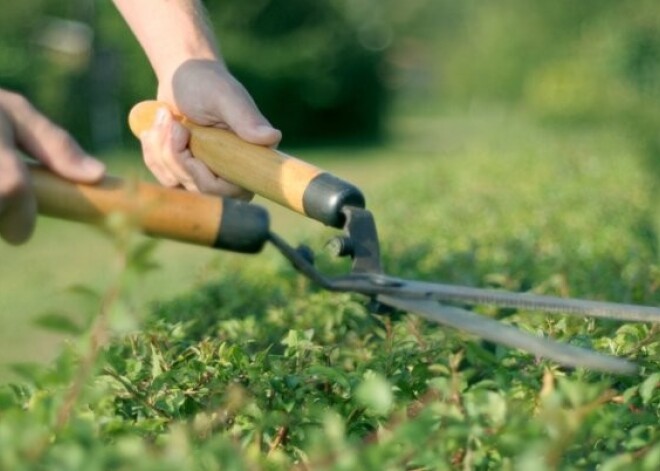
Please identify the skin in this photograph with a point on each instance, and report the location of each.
(192, 80)
(24, 130)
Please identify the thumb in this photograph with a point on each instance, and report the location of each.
(243, 117)
(261, 134)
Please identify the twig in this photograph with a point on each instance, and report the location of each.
(135, 393)
(555, 453)
(98, 338)
(282, 432)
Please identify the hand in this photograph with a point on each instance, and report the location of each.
(23, 129)
(205, 92)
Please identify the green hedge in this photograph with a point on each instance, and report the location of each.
(261, 370)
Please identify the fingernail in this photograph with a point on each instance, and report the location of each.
(265, 129)
(93, 166)
(269, 135)
(161, 116)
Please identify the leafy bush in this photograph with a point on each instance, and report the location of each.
(260, 370)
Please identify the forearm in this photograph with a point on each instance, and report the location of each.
(170, 32)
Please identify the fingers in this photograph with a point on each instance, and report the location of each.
(166, 154)
(17, 203)
(205, 92)
(18, 206)
(21, 126)
(162, 149)
(208, 94)
(244, 118)
(207, 182)
(48, 143)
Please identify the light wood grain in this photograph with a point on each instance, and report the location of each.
(157, 211)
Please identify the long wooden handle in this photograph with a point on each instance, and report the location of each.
(157, 211)
(286, 180)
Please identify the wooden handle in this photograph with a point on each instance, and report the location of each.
(286, 180)
(157, 211)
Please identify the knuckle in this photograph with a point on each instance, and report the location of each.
(148, 138)
(152, 148)
(155, 164)
(61, 139)
(154, 167)
(15, 101)
(169, 181)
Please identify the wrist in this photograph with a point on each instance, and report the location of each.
(190, 76)
(166, 67)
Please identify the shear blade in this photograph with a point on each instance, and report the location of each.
(577, 307)
(495, 331)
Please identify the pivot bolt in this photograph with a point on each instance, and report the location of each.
(340, 246)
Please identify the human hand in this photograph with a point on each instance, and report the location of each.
(24, 129)
(205, 92)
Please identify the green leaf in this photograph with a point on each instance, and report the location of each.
(141, 258)
(652, 459)
(334, 375)
(156, 362)
(648, 387)
(85, 292)
(56, 322)
(30, 371)
(375, 393)
(8, 398)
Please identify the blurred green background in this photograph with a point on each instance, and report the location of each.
(334, 70)
(329, 73)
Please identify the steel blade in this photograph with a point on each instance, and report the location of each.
(373, 284)
(473, 296)
(495, 331)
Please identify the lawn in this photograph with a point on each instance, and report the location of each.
(234, 362)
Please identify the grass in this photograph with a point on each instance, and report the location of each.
(241, 364)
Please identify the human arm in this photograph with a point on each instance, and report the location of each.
(194, 81)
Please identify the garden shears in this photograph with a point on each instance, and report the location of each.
(243, 227)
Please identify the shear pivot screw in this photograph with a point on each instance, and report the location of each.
(340, 246)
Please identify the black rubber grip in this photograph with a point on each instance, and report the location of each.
(244, 227)
(326, 196)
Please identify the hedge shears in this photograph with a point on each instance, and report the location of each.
(244, 227)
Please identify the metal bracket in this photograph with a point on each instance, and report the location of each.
(361, 240)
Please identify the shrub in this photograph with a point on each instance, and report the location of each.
(261, 370)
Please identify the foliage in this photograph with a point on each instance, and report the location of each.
(329, 69)
(565, 62)
(307, 65)
(261, 370)
(332, 88)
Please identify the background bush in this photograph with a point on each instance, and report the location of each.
(330, 69)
